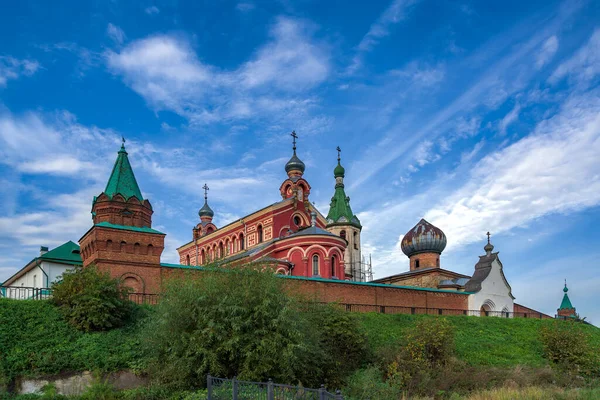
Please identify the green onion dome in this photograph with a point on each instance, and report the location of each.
(339, 171)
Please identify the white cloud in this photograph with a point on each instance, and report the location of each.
(290, 61)
(152, 10)
(509, 118)
(115, 33)
(12, 68)
(393, 14)
(420, 74)
(584, 65)
(167, 72)
(547, 51)
(538, 175)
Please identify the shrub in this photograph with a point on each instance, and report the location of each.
(431, 340)
(91, 300)
(568, 347)
(342, 340)
(231, 323)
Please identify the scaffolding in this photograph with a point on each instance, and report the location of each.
(362, 271)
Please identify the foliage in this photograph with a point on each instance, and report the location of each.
(238, 322)
(342, 340)
(91, 300)
(36, 340)
(569, 347)
(431, 341)
(368, 383)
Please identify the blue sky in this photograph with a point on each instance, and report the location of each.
(478, 116)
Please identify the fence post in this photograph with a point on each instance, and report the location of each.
(322, 392)
(235, 388)
(338, 395)
(270, 392)
(209, 386)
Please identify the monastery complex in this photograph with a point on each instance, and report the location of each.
(318, 255)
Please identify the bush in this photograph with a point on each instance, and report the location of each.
(568, 347)
(342, 340)
(232, 323)
(91, 300)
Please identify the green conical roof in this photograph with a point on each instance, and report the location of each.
(566, 302)
(122, 180)
(340, 211)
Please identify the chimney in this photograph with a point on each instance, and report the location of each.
(43, 250)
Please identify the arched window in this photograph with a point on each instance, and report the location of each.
(221, 250)
(209, 230)
(437, 262)
(315, 266)
(260, 233)
(416, 263)
(202, 257)
(187, 259)
(150, 250)
(297, 221)
(109, 245)
(355, 237)
(123, 244)
(343, 235)
(227, 244)
(136, 248)
(234, 244)
(333, 265)
(242, 243)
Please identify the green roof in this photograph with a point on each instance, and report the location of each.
(67, 252)
(566, 302)
(122, 180)
(339, 208)
(127, 228)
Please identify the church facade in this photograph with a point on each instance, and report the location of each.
(318, 255)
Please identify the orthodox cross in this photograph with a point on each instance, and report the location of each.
(205, 187)
(123, 139)
(295, 136)
(488, 235)
(339, 152)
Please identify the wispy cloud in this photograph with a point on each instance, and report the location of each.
(152, 10)
(509, 118)
(533, 177)
(115, 33)
(12, 68)
(381, 28)
(245, 6)
(547, 51)
(584, 65)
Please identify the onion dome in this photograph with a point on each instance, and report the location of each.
(566, 302)
(488, 247)
(206, 211)
(339, 171)
(423, 238)
(295, 164)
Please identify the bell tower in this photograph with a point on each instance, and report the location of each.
(121, 240)
(342, 222)
(295, 186)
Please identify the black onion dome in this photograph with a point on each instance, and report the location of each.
(295, 164)
(206, 211)
(423, 238)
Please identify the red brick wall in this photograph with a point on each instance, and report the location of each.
(529, 312)
(426, 260)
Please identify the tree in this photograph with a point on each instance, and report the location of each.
(91, 300)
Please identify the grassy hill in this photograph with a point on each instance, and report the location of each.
(35, 340)
(490, 341)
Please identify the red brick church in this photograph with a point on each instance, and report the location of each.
(319, 255)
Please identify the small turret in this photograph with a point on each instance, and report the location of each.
(566, 309)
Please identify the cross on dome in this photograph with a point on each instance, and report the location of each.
(206, 189)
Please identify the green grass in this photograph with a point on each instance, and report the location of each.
(35, 340)
(498, 342)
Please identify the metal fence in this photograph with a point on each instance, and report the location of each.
(24, 293)
(224, 389)
(19, 292)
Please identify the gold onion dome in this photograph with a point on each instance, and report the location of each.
(423, 238)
